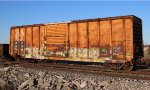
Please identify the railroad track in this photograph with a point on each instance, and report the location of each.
(141, 74)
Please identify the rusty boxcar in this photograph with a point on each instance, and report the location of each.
(116, 41)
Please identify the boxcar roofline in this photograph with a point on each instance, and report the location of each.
(107, 18)
(33, 25)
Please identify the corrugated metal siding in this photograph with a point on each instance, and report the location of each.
(94, 40)
(105, 33)
(129, 38)
(87, 39)
(22, 39)
(28, 48)
(26, 40)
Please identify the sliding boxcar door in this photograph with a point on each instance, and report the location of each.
(56, 40)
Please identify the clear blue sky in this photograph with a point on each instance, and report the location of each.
(22, 13)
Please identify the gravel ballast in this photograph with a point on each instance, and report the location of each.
(19, 78)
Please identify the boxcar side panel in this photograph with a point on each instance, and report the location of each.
(105, 33)
(29, 37)
(129, 42)
(22, 41)
(105, 39)
(82, 40)
(117, 32)
(118, 39)
(42, 41)
(93, 28)
(73, 40)
(16, 41)
(36, 39)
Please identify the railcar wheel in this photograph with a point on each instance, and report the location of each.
(128, 66)
(116, 66)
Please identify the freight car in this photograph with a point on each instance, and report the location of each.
(115, 41)
(4, 52)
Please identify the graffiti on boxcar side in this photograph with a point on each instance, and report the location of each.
(94, 53)
(82, 52)
(73, 52)
(62, 54)
(33, 52)
(28, 52)
(52, 53)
